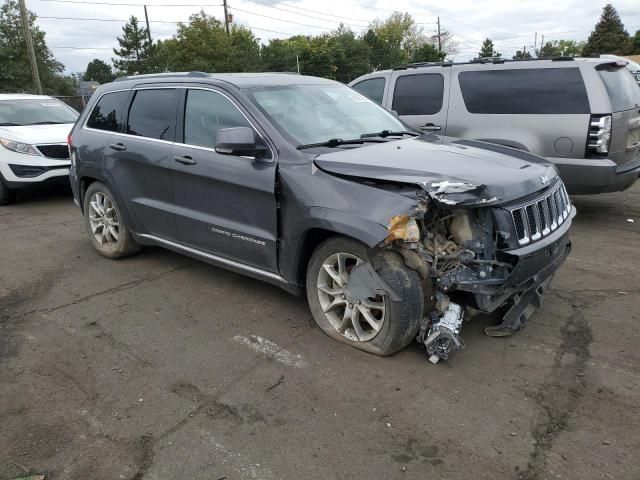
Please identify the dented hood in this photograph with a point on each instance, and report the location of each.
(458, 173)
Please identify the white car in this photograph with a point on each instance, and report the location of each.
(33, 141)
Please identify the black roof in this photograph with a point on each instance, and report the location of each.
(239, 80)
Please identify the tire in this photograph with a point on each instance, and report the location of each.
(103, 238)
(400, 320)
(7, 195)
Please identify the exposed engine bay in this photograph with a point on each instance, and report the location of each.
(465, 259)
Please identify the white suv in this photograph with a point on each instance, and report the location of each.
(33, 141)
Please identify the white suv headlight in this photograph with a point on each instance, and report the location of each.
(19, 147)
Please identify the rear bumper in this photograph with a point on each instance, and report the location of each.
(588, 176)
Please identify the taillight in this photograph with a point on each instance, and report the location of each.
(69, 140)
(599, 137)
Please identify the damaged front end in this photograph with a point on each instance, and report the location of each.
(475, 254)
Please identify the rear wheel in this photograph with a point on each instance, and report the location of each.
(7, 195)
(376, 324)
(106, 226)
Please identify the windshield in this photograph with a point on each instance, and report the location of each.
(621, 86)
(40, 111)
(316, 113)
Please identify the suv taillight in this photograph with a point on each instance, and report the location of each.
(599, 136)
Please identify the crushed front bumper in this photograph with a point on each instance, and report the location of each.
(534, 266)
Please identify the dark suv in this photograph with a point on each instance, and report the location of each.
(307, 184)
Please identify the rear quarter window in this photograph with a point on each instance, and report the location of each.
(108, 113)
(524, 91)
(419, 94)
(623, 91)
(372, 88)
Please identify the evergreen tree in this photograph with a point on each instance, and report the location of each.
(636, 43)
(15, 69)
(487, 50)
(98, 71)
(135, 49)
(609, 35)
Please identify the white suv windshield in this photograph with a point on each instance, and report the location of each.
(43, 111)
(316, 113)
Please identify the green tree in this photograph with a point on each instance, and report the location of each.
(203, 45)
(393, 41)
(98, 71)
(522, 55)
(487, 50)
(135, 49)
(15, 70)
(636, 43)
(428, 52)
(609, 35)
(561, 48)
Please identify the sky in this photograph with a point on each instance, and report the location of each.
(510, 24)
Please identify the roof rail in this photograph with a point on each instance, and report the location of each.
(163, 74)
(493, 60)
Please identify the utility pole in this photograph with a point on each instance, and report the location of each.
(226, 16)
(439, 39)
(146, 18)
(298, 63)
(535, 45)
(31, 52)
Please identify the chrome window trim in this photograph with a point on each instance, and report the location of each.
(187, 87)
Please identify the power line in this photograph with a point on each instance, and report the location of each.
(280, 19)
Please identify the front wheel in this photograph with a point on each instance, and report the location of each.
(104, 222)
(377, 324)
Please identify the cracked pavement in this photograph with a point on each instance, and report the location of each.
(132, 369)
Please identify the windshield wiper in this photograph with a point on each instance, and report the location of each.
(390, 133)
(336, 142)
(10, 124)
(47, 123)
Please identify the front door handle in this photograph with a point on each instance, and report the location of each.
(430, 127)
(186, 160)
(119, 147)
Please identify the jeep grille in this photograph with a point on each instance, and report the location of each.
(539, 217)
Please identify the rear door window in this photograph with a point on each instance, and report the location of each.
(108, 114)
(622, 88)
(372, 88)
(418, 94)
(524, 91)
(153, 114)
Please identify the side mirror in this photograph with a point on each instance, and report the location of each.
(240, 142)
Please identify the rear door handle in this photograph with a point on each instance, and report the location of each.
(430, 127)
(186, 160)
(119, 147)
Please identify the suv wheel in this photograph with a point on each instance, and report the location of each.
(378, 324)
(105, 225)
(7, 196)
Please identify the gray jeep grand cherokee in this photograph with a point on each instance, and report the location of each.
(307, 184)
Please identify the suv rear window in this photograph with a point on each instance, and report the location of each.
(524, 91)
(372, 88)
(622, 89)
(109, 112)
(153, 114)
(418, 94)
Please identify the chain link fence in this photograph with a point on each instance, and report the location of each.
(77, 102)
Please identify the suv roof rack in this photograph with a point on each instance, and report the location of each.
(493, 60)
(164, 74)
